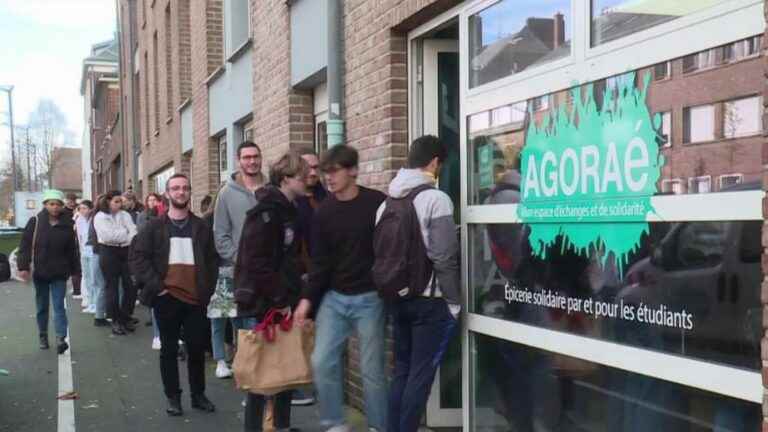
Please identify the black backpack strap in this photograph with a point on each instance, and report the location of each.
(418, 189)
(412, 196)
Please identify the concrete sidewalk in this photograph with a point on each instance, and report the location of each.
(117, 379)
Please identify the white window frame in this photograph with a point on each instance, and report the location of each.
(673, 182)
(720, 179)
(723, 23)
(697, 181)
(224, 170)
(690, 125)
(668, 124)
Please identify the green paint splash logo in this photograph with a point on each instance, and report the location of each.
(589, 173)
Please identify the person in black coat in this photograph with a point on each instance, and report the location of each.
(49, 255)
(267, 273)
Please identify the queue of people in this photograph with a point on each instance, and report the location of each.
(312, 250)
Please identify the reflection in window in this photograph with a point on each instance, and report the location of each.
(699, 124)
(730, 180)
(701, 184)
(520, 388)
(742, 117)
(514, 35)
(661, 71)
(673, 186)
(664, 138)
(743, 49)
(614, 19)
(678, 267)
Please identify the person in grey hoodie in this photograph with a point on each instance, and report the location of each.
(233, 201)
(423, 325)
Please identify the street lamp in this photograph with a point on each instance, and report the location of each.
(9, 89)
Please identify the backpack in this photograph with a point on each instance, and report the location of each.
(5, 268)
(401, 268)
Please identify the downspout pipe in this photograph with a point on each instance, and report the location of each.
(335, 124)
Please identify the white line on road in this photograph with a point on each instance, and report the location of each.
(66, 407)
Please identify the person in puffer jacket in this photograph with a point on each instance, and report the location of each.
(49, 244)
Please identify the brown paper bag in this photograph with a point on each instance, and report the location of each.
(274, 357)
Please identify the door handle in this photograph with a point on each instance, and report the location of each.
(721, 287)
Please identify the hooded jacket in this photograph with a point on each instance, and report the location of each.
(232, 203)
(267, 268)
(56, 251)
(435, 212)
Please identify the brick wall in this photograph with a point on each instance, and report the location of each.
(206, 44)
(161, 143)
(376, 81)
(284, 116)
(376, 104)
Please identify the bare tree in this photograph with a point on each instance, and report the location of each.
(48, 129)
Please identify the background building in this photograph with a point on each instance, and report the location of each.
(102, 155)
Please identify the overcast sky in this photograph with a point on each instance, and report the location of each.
(42, 47)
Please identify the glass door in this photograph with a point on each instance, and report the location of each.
(438, 62)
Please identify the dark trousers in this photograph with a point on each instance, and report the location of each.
(422, 329)
(254, 411)
(172, 316)
(114, 266)
(76, 280)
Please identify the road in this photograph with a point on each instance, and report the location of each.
(117, 379)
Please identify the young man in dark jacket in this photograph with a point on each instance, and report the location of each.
(49, 244)
(341, 289)
(267, 273)
(174, 257)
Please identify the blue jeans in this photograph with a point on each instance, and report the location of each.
(97, 283)
(86, 282)
(54, 290)
(337, 317)
(422, 329)
(218, 327)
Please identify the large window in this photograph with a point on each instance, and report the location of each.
(519, 388)
(612, 219)
(689, 288)
(699, 124)
(514, 35)
(615, 19)
(742, 117)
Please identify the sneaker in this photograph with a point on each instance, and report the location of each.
(156, 345)
(61, 345)
(44, 341)
(301, 398)
(174, 407)
(91, 309)
(222, 370)
(101, 322)
(77, 296)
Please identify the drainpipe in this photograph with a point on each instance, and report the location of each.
(335, 124)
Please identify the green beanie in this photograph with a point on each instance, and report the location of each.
(53, 194)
